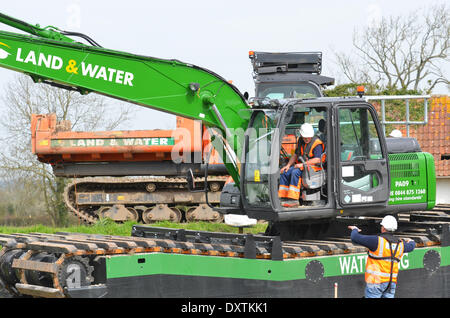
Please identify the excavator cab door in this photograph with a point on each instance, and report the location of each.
(257, 166)
(362, 163)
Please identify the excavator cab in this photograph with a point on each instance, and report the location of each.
(354, 164)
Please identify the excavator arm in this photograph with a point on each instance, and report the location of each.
(49, 56)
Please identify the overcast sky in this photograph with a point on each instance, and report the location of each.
(213, 34)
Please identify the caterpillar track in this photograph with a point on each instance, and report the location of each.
(143, 199)
(66, 264)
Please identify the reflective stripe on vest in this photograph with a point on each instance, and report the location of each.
(378, 268)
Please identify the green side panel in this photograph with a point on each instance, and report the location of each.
(355, 264)
(209, 266)
(413, 179)
(431, 175)
(239, 268)
(445, 256)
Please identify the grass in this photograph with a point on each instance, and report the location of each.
(108, 227)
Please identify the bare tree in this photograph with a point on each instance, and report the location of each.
(404, 52)
(23, 98)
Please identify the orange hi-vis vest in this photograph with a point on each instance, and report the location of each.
(383, 263)
(310, 148)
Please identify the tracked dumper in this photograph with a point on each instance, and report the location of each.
(305, 251)
(156, 192)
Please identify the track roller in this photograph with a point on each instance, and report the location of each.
(203, 213)
(150, 187)
(161, 212)
(118, 212)
(214, 186)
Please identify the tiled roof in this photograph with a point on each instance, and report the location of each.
(435, 136)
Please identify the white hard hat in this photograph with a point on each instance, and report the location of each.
(396, 133)
(307, 130)
(389, 223)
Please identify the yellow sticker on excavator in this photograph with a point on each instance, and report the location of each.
(257, 176)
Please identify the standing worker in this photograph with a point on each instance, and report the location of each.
(310, 148)
(384, 255)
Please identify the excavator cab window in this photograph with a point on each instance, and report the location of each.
(272, 138)
(311, 195)
(287, 90)
(258, 165)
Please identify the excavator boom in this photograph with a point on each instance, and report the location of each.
(167, 85)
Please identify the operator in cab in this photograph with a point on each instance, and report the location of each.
(310, 148)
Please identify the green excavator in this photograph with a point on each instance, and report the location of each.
(360, 179)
